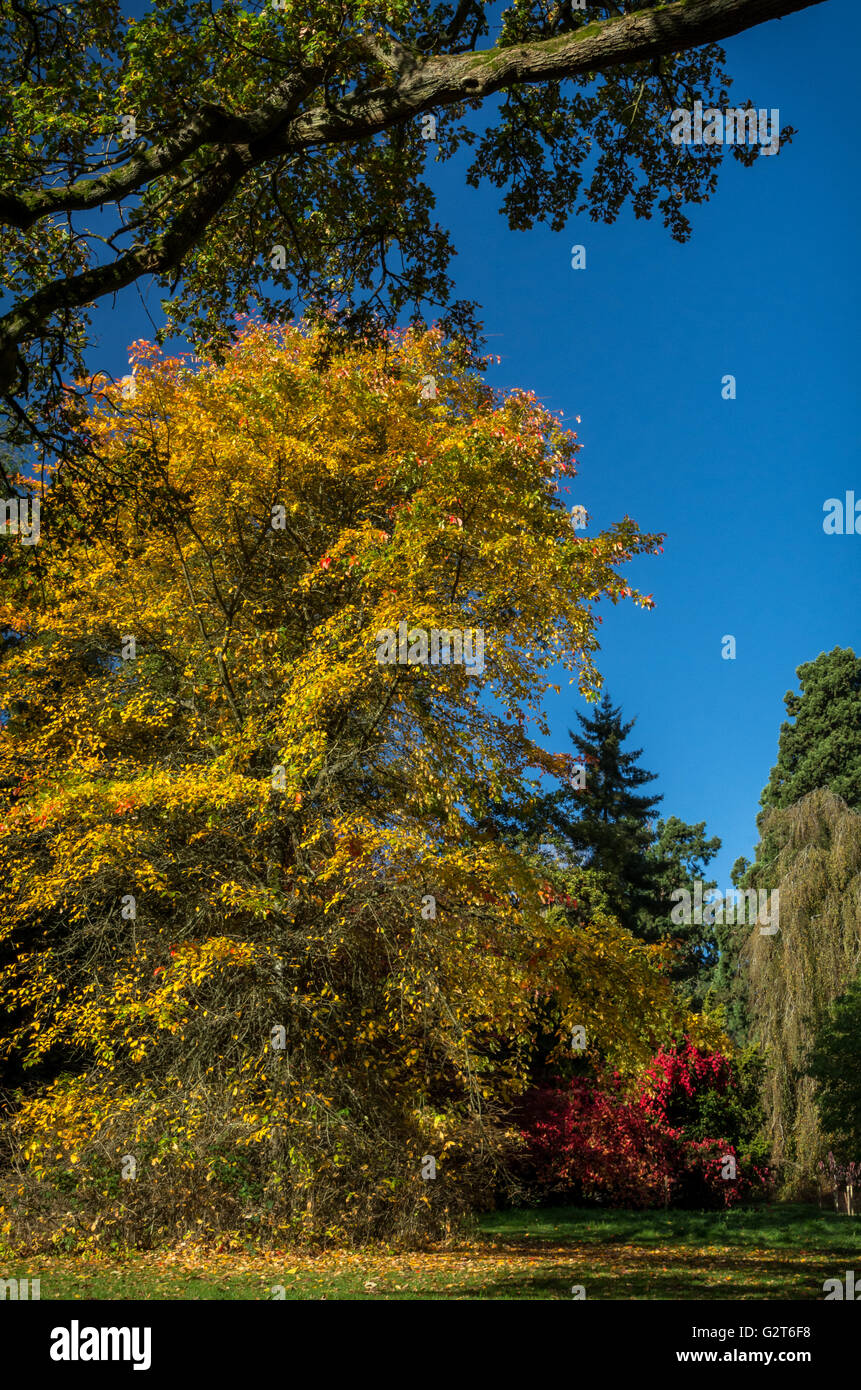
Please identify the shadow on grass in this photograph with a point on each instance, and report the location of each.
(793, 1227)
(776, 1253)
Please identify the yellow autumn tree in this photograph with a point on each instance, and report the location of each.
(270, 663)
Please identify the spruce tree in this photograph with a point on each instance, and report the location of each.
(628, 865)
(606, 823)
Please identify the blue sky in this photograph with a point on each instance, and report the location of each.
(637, 344)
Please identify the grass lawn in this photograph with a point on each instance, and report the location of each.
(760, 1253)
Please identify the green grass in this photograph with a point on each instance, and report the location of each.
(778, 1252)
(784, 1226)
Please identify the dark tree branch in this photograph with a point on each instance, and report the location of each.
(448, 80)
(213, 126)
(242, 143)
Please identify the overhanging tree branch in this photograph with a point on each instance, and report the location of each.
(219, 150)
(447, 80)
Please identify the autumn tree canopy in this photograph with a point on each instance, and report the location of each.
(254, 937)
(271, 156)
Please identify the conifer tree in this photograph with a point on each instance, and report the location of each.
(595, 822)
(729, 986)
(605, 819)
(822, 746)
(819, 748)
(680, 853)
(600, 827)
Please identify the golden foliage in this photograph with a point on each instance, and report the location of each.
(230, 825)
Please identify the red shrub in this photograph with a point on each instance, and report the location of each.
(587, 1141)
(672, 1086)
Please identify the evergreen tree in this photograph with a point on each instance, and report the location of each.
(819, 747)
(680, 853)
(606, 822)
(600, 827)
(728, 987)
(822, 747)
